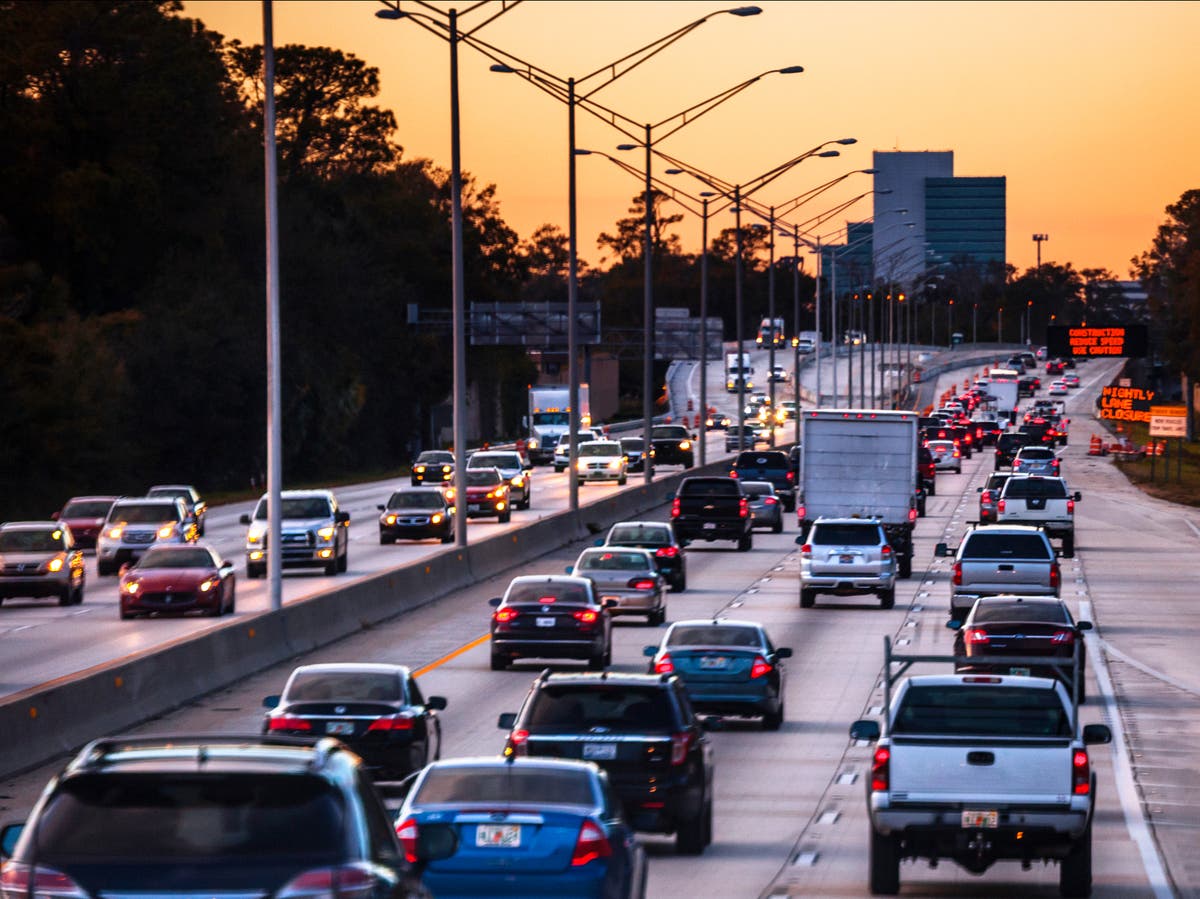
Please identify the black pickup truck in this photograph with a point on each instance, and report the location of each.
(768, 465)
(712, 509)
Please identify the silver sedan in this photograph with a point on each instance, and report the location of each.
(628, 575)
(765, 507)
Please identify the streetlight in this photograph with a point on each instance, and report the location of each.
(1028, 331)
(274, 390)
(1039, 239)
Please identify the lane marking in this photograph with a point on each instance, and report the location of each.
(478, 641)
(1195, 530)
(1146, 669)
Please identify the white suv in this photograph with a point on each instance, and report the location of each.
(314, 533)
(847, 556)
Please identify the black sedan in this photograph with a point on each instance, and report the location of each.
(433, 467)
(375, 709)
(551, 617)
(416, 513)
(673, 445)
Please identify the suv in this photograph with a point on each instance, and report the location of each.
(673, 445)
(1036, 460)
(195, 506)
(515, 468)
(562, 449)
(210, 815)
(39, 558)
(134, 525)
(1007, 446)
(768, 465)
(642, 730)
(314, 532)
(847, 556)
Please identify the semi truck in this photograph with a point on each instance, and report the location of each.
(1004, 388)
(861, 463)
(738, 368)
(550, 417)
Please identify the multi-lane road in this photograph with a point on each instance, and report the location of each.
(789, 814)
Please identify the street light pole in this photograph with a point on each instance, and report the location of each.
(647, 322)
(703, 327)
(771, 316)
(274, 390)
(572, 311)
(737, 313)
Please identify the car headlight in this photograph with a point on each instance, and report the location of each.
(685, 444)
(418, 469)
(446, 469)
(581, 464)
(166, 532)
(115, 533)
(326, 533)
(518, 481)
(389, 519)
(131, 587)
(208, 584)
(436, 518)
(253, 537)
(55, 564)
(532, 444)
(615, 463)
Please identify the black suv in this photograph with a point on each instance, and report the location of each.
(673, 445)
(211, 815)
(659, 538)
(772, 466)
(641, 729)
(1007, 447)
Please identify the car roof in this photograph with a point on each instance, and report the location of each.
(976, 680)
(302, 494)
(1010, 598)
(503, 763)
(353, 667)
(88, 499)
(1003, 528)
(606, 548)
(865, 521)
(29, 525)
(171, 487)
(599, 678)
(721, 622)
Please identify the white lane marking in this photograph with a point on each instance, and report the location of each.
(1127, 788)
(1146, 669)
(807, 859)
(1195, 530)
(829, 817)
(847, 778)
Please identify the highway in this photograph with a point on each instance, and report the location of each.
(789, 815)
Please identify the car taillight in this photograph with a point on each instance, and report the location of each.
(18, 880)
(912, 513)
(956, 576)
(956, 453)
(287, 722)
(664, 665)
(667, 552)
(985, 496)
(806, 551)
(1063, 637)
(1055, 575)
(760, 667)
(733, 474)
(590, 845)
(1016, 464)
(801, 511)
(1000, 504)
(1081, 773)
(586, 616)
(1070, 507)
(886, 550)
(743, 508)
(341, 882)
(675, 508)
(681, 744)
(770, 501)
(642, 583)
(391, 723)
(879, 768)
(504, 615)
(976, 636)
(791, 476)
(407, 833)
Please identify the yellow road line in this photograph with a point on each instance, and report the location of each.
(446, 658)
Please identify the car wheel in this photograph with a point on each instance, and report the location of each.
(921, 509)
(1068, 546)
(528, 500)
(680, 583)
(216, 610)
(773, 720)
(690, 837)
(906, 566)
(505, 517)
(332, 567)
(807, 598)
(621, 481)
(932, 491)
(885, 865)
(79, 593)
(500, 662)
(232, 599)
(745, 543)
(126, 616)
(66, 596)
(448, 538)
(657, 617)
(1075, 870)
(255, 571)
(596, 661)
(887, 598)
(558, 469)
(343, 564)
(777, 527)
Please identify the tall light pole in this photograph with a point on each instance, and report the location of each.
(274, 390)
(1039, 239)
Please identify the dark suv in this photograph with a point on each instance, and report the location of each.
(170, 816)
(641, 729)
(673, 445)
(768, 465)
(1007, 446)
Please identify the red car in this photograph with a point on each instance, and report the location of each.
(85, 516)
(178, 578)
(487, 495)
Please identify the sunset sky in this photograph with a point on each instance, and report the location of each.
(1091, 110)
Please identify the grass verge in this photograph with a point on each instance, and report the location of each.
(1174, 477)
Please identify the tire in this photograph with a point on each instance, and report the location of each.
(343, 564)
(621, 481)
(906, 566)
(1068, 547)
(500, 662)
(807, 598)
(777, 528)
(505, 517)
(745, 543)
(657, 617)
(596, 662)
(79, 594)
(528, 501)
(773, 720)
(558, 469)
(255, 571)
(232, 601)
(885, 865)
(215, 611)
(932, 490)
(67, 596)
(680, 583)
(921, 508)
(1075, 870)
(887, 599)
(332, 567)
(448, 538)
(126, 616)
(689, 837)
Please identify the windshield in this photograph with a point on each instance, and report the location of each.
(435, 457)
(483, 477)
(619, 708)
(421, 500)
(300, 507)
(505, 783)
(545, 419)
(192, 557)
(321, 686)
(607, 560)
(599, 449)
(494, 460)
(182, 492)
(89, 509)
(632, 444)
(669, 432)
(144, 513)
(22, 541)
(713, 635)
(982, 711)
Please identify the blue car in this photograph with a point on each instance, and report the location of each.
(526, 827)
(727, 667)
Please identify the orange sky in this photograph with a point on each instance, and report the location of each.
(1089, 109)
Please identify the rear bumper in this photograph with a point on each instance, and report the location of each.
(1021, 832)
(712, 530)
(631, 603)
(548, 649)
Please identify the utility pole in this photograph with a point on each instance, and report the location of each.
(1037, 239)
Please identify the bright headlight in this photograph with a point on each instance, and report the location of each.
(615, 463)
(208, 585)
(532, 444)
(685, 444)
(132, 587)
(518, 481)
(166, 531)
(252, 537)
(115, 533)
(390, 519)
(436, 518)
(419, 469)
(55, 564)
(326, 533)
(581, 464)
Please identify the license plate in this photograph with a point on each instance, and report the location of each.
(599, 750)
(846, 558)
(1024, 672)
(344, 728)
(498, 836)
(710, 525)
(987, 819)
(473, 507)
(714, 662)
(545, 622)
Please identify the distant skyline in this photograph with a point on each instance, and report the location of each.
(1089, 110)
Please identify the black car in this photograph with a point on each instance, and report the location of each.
(212, 815)
(989, 495)
(990, 429)
(551, 617)
(1028, 385)
(659, 538)
(1007, 446)
(416, 513)
(633, 448)
(433, 467)
(642, 730)
(673, 445)
(768, 465)
(375, 709)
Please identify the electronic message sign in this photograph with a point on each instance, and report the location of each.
(1126, 403)
(1127, 340)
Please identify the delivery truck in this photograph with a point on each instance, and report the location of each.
(550, 417)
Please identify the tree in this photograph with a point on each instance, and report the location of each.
(629, 240)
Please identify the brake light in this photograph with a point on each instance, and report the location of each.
(681, 744)
(886, 550)
(587, 616)
(342, 882)
(407, 832)
(760, 667)
(956, 576)
(19, 879)
(664, 665)
(912, 513)
(743, 508)
(1016, 464)
(801, 511)
(956, 452)
(590, 845)
(1070, 507)
(879, 769)
(675, 508)
(391, 723)
(976, 636)
(287, 722)
(1081, 773)
(1063, 637)
(667, 552)
(1055, 575)
(504, 615)
(770, 501)
(642, 583)
(791, 475)
(733, 474)
(806, 551)
(1000, 504)
(985, 497)
(518, 743)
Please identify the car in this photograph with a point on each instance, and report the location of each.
(315, 532)
(1055, 366)
(926, 476)
(1007, 446)
(516, 469)
(134, 525)
(780, 375)
(1028, 385)
(847, 556)
(766, 508)
(999, 558)
(1039, 431)
(946, 455)
(659, 538)
(196, 507)
(212, 815)
(717, 421)
(433, 467)
(173, 580)
(728, 667)
(1036, 460)
(743, 437)
(989, 495)
(601, 460)
(789, 408)
(673, 445)
(1058, 387)
(1029, 626)
(487, 495)
(557, 829)
(628, 575)
(990, 430)
(773, 466)
(632, 447)
(1071, 380)
(416, 513)
(562, 449)
(640, 728)
(39, 558)
(376, 709)
(85, 515)
(551, 617)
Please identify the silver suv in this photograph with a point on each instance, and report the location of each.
(562, 449)
(846, 556)
(515, 469)
(135, 525)
(39, 558)
(314, 533)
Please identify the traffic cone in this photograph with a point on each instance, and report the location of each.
(1096, 447)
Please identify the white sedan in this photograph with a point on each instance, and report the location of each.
(1058, 388)
(601, 460)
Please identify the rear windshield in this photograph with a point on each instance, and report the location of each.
(610, 560)
(509, 783)
(422, 500)
(144, 513)
(631, 445)
(756, 489)
(1035, 488)
(639, 535)
(713, 635)
(1007, 546)
(294, 508)
(1036, 452)
(534, 592)
(982, 711)
(846, 534)
(713, 487)
(320, 686)
(197, 818)
(622, 709)
(762, 460)
(182, 492)
(31, 541)
(1011, 440)
(1050, 612)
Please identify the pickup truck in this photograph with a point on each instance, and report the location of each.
(979, 768)
(1042, 502)
(772, 466)
(997, 559)
(712, 509)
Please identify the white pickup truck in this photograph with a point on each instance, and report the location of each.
(1042, 502)
(979, 768)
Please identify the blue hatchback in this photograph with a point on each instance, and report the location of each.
(526, 827)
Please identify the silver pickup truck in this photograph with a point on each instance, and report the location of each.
(1043, 502)
(998, 558)
(979, 768)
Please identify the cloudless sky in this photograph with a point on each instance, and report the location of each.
(1091, 110)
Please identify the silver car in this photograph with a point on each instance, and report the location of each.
(765, 507)
(946, 456)
(628, 575)
(846, 556)
(39, 558)
(1036, 460)
(315, 532)
(135, 525)
(513, 467)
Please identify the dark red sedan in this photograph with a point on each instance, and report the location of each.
(173, 579)
(85, 516)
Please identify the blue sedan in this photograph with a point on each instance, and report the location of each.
(728, 667)
(526, 827)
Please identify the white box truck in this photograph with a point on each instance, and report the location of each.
(1004, 389)
(861, 463)
(550, 417)
(738, 366)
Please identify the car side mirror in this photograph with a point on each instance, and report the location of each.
(942, 550)
(244, 519)
(495, 601)
(1083, 625)
(54, 516)
(783, 652)
(381, 507)
(954, 624)
(799, 541)
(979, 490)
(507, 720)
(1078, 496)
(649, 651)
(599, 541)
(611, 603)
(438, 703)
(8, 839)
(711, 722)
(271, 702)
(1096, 733)
(226, 565)
(865, 729)
(342, 518)
(569, 569)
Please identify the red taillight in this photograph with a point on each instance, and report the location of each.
(770, 501)
(1070, 507)
(743, 507)
(1000, 505)
(1081, 773)
(801, 511)
(642, 584)
(590, 845)
(664, 665)
(287, 722)
(667, 552)
(518, 743)
(504, 615)
(681, 744)
(1055, 575)
(1063, 637)
(806, 551)
(886, 550)
(675, 508)
(733, 474)
(791, 475)
(587, 616)
(986, 496)
(956, 576)
(760, 667)
(879, 768)
(912, 513)
(19, 879)
(976, 636)
(407, 832)
(391, 723)
(1016, 464)
(344, 882)
(956, 453)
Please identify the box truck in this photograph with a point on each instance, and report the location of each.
(550, 417)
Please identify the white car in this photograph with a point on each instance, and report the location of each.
(562, 450)
(601, 460)
(1058, 388)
